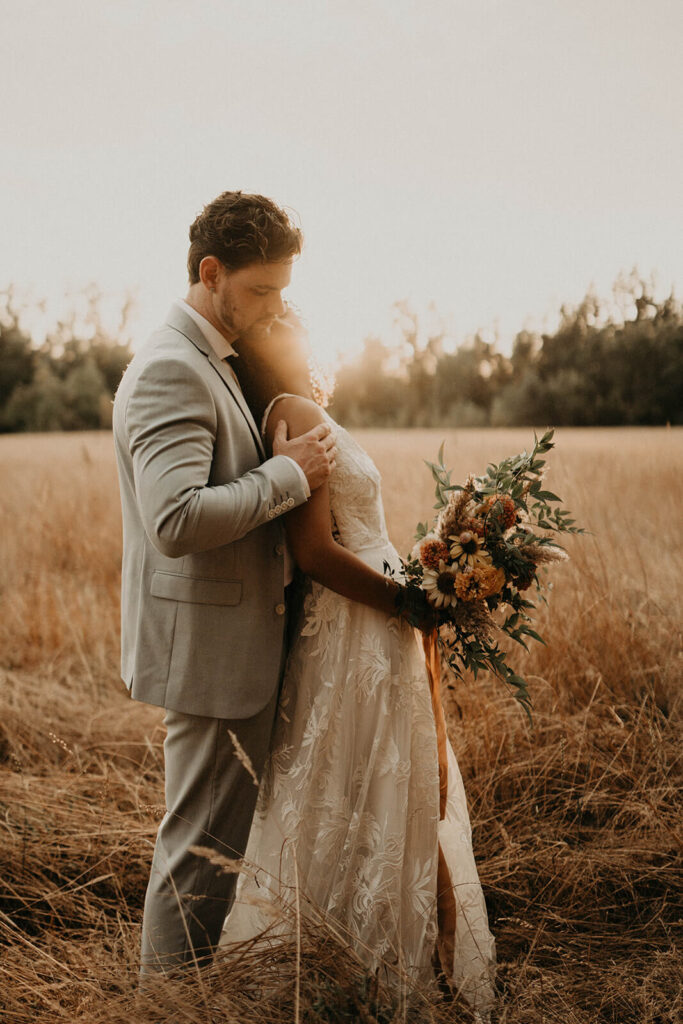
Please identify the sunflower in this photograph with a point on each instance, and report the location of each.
(468, 549)
(439, 585)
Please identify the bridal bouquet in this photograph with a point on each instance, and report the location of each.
(490, 542)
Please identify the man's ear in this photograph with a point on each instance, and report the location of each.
(209, 272)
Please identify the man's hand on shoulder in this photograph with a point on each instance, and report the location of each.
(314, 451)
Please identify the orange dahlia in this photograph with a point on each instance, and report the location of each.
(480, 582)
(475, 525)
(525, 578)
(469, 585)
(506, 511)
(492, 581)
(431, 552)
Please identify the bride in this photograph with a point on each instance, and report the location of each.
(348, 813)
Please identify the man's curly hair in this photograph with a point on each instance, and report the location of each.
(238, 229)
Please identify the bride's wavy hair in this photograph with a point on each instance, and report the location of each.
(279, 362)
(238, 229)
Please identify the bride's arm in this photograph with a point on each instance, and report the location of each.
(309, 530)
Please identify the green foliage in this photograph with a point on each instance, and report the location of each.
(603, 366)
(17, 359)
(442, 478)
(68, 381)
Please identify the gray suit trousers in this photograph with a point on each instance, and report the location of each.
(210, 800)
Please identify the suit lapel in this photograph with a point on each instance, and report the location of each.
(178, 319)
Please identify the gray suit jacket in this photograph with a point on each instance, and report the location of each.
(202, 589)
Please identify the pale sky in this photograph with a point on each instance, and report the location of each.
(492, 157)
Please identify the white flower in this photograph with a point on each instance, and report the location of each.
(439, 585)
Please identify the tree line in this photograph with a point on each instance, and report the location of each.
(67, 379)
(606, 364)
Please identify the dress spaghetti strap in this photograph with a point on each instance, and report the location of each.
(269, 409)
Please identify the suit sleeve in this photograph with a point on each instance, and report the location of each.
(171, 422)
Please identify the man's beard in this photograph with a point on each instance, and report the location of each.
(259, 328)
(226, 318)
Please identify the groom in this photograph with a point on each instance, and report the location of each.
(203, 590)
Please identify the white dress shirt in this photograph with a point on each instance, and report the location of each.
(221, 347)
(223, 350)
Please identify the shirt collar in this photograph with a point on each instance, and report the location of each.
(221, 347)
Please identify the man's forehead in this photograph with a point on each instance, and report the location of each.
(270, 275)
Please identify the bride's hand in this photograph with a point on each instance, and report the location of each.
(314, 451)
(414, 607)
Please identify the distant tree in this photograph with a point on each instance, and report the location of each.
(85, 386)
(598, 371)
(521, 402)
(39, 405)
(467, 381)
(422, 348)
(68, 380)
(524, 354)
(17, 358)
(367, 392)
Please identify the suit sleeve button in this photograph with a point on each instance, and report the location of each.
(290, 502)
(279, 609)
(279, 549)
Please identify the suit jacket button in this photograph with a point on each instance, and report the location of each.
(290, 502)
(279, 609)
(279, 549)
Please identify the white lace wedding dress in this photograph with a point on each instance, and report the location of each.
(348, 810)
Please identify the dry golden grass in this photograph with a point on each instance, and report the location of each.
(576, 823)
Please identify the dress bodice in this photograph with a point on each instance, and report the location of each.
(355, 492)
(355, 495)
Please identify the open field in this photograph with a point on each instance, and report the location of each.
(576, 822)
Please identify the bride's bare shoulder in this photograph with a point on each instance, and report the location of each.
(299, 413)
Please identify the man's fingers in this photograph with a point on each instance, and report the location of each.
(322, 430)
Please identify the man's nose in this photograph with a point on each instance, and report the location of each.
(277, 306)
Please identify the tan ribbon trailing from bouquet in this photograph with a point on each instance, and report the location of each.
(445, 902)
